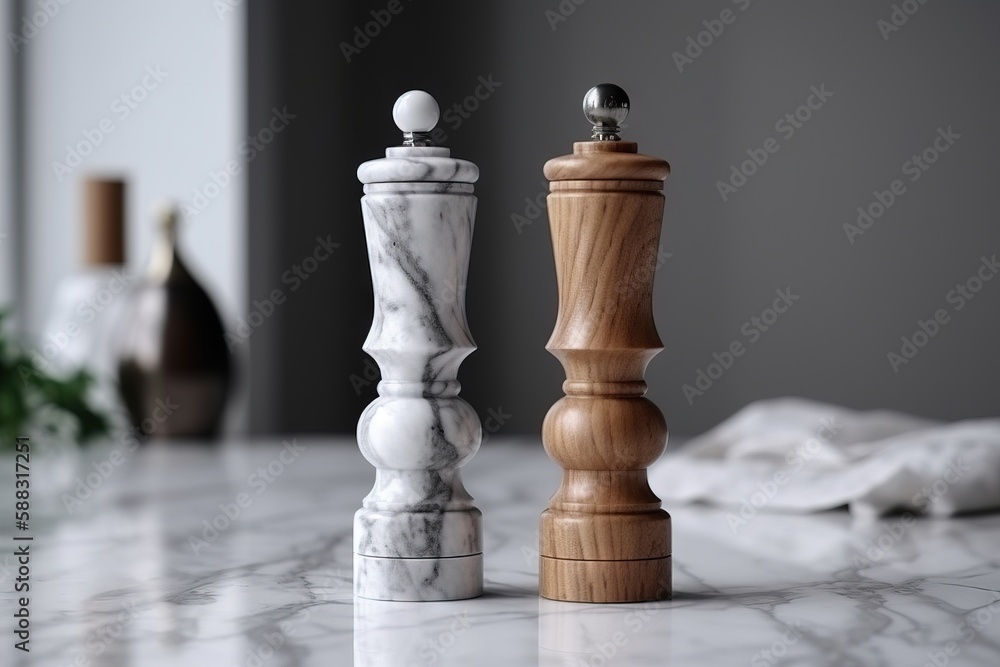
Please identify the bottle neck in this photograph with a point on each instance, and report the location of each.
(164, 258)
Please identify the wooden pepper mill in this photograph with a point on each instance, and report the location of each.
(604, 537)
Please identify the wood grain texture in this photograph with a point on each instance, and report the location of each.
(604, 537)
(607, 160)
(605, 581)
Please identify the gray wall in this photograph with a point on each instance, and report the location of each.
(782, 229)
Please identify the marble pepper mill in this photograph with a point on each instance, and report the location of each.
(418, 536)
(604, 536)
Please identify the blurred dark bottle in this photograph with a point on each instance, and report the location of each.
(174, 370)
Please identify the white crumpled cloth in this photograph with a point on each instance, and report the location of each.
(796, 455)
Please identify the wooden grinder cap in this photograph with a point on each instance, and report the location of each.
(607, 160)
(606, 157)
(103, 221)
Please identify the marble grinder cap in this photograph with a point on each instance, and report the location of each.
(416, 113)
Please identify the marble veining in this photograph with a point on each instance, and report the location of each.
(414, 164)
(438, 169)
(118, 583)
(418, 535)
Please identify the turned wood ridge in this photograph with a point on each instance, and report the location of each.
(604, 536)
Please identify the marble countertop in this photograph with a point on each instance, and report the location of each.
(137, 574)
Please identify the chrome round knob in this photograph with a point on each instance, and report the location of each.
(606, 107)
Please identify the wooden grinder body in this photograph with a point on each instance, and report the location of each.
(604, 536)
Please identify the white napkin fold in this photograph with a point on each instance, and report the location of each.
(796, 455)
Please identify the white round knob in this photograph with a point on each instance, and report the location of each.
(416, 111)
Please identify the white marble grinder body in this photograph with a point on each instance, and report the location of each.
(418, 537)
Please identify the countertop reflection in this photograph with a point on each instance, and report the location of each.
(241, 555)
